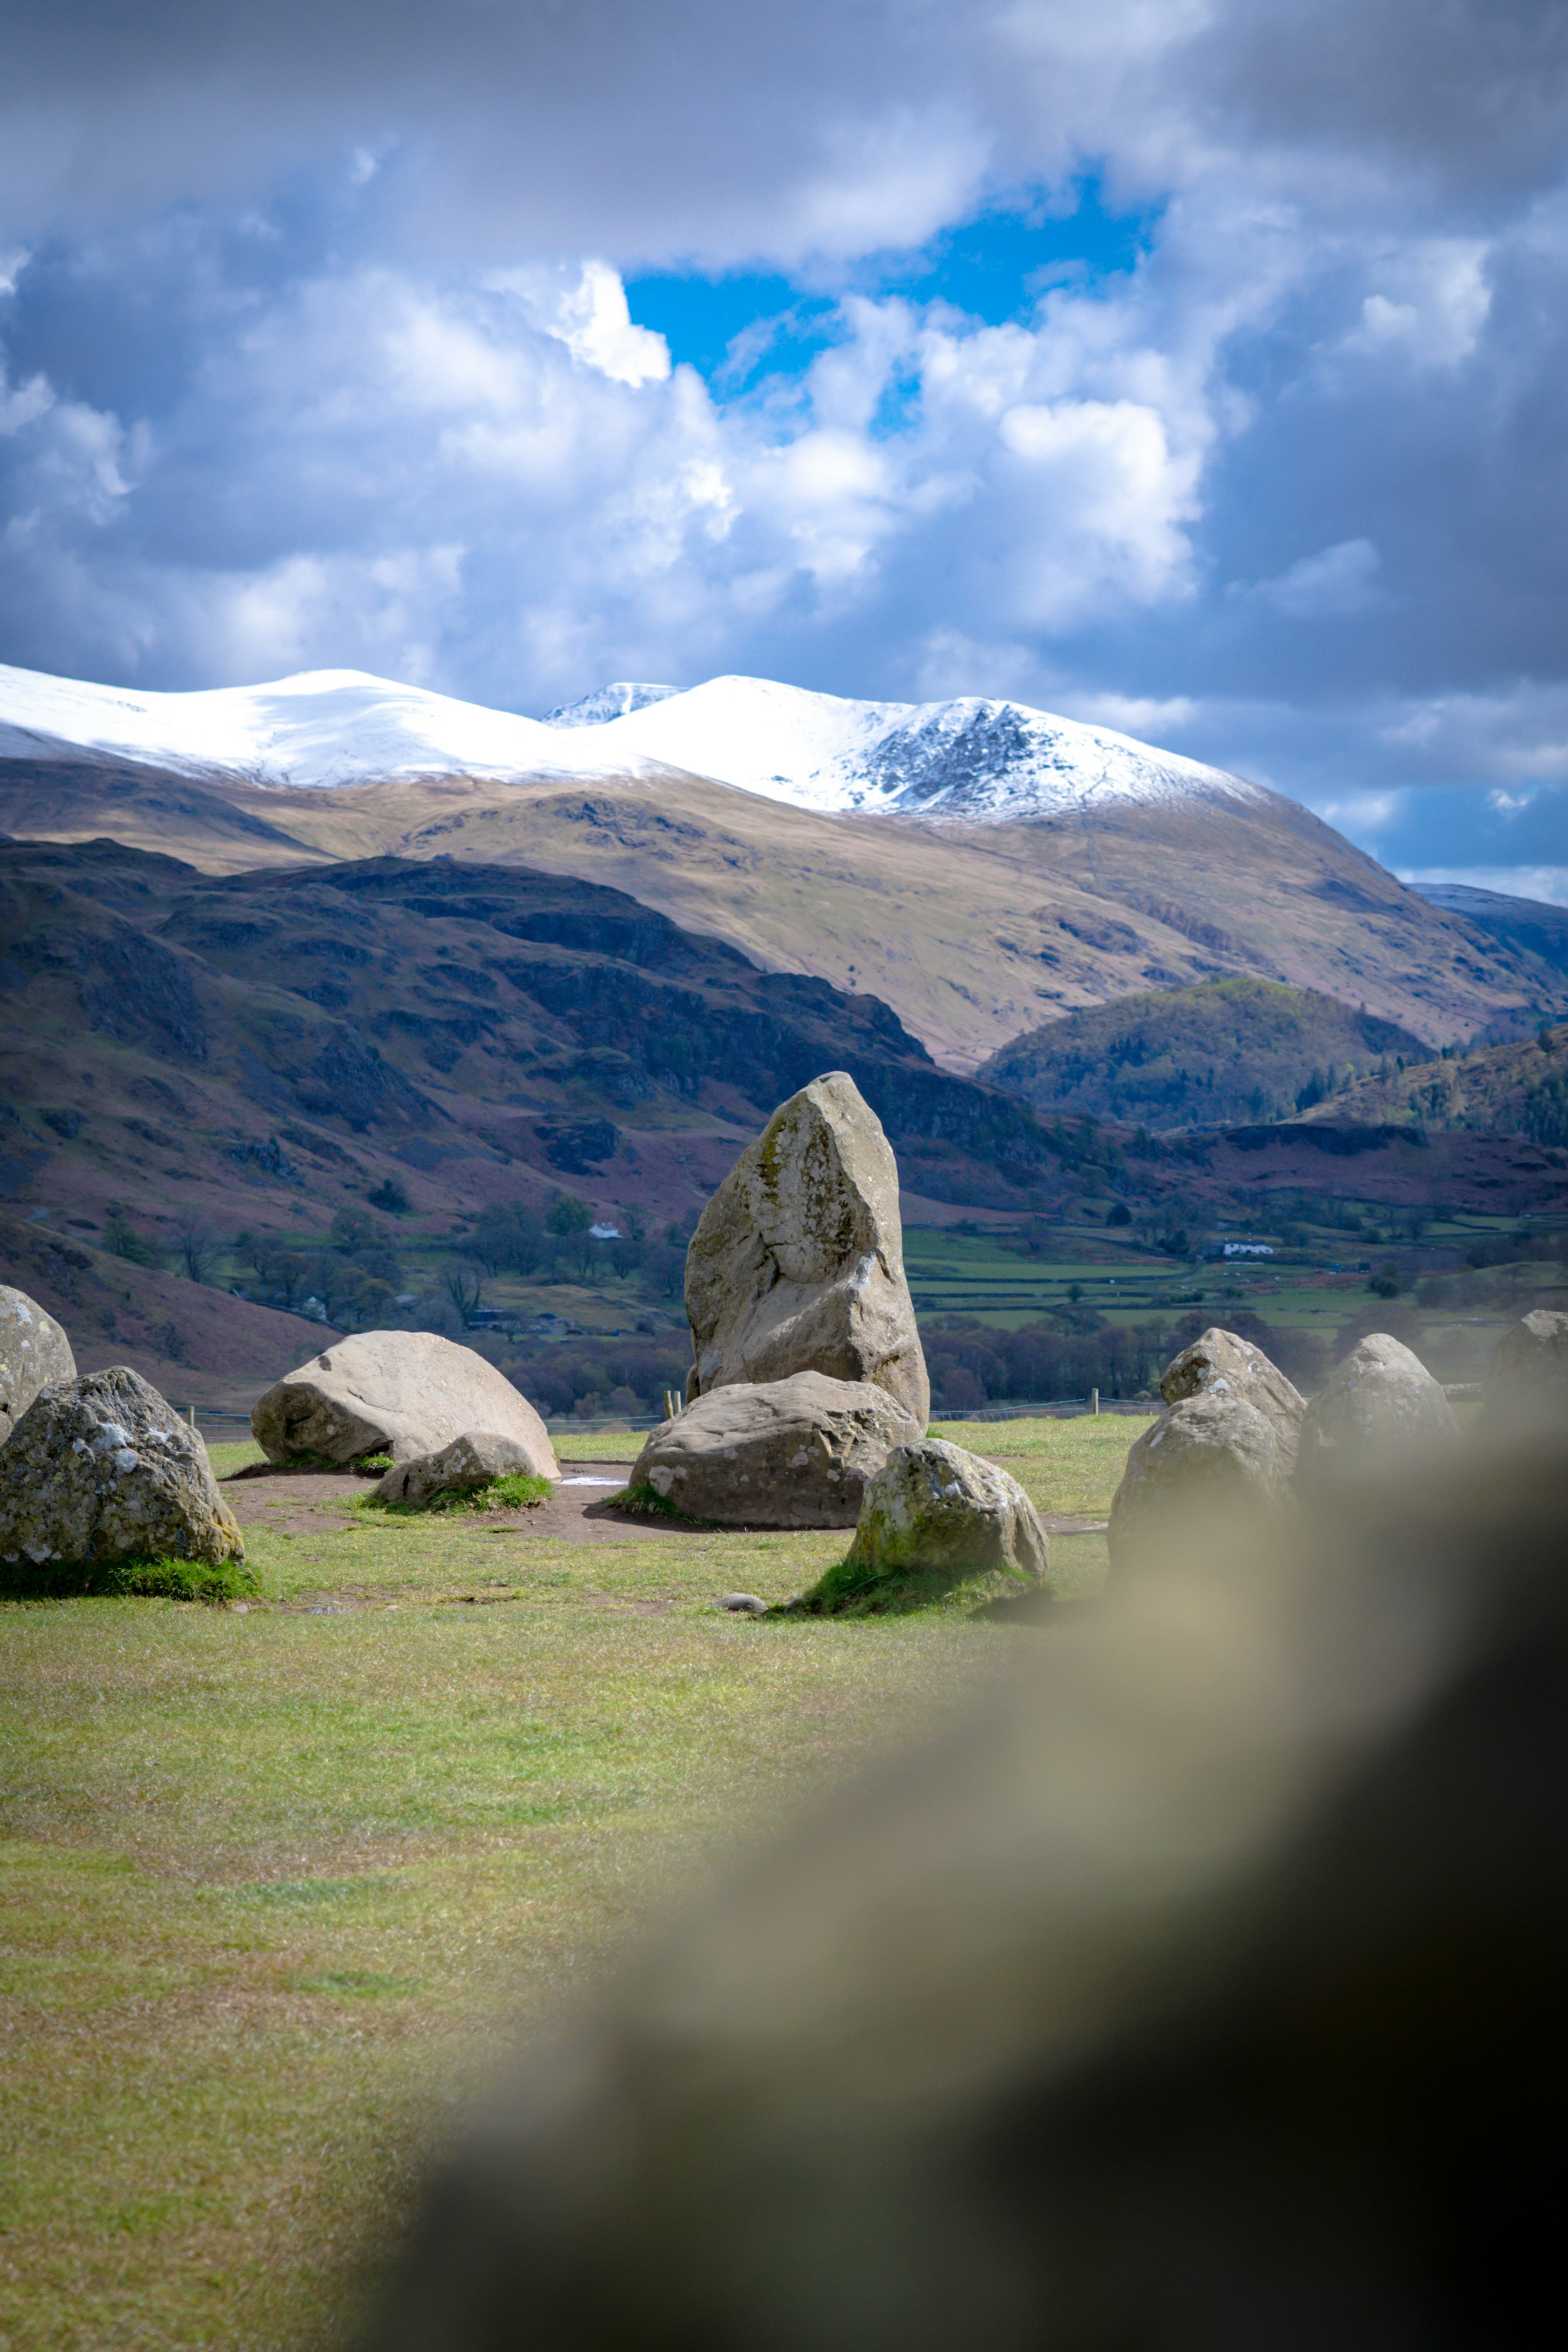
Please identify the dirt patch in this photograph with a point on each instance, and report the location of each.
(291, 1500)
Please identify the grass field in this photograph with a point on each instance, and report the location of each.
(277, 1881)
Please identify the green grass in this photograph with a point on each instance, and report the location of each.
(145, 1579)
(517, 1492)
(278, 1881)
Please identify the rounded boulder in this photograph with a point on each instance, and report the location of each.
(1213, 1458)
(405, 1393)
(774, 1454)
(936, 1518)
(102, 1469)
(34, 1354)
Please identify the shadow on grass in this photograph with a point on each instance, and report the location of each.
(137, 1580)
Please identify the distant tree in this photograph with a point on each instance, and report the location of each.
(121, 1236)
(466, 1292)
(287, 1276)
(567, 1216)
(1120, 1215)
(198, 1247)
(390, 1197)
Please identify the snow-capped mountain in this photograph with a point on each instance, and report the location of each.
(986, 761)
(608, 702)
(981, 761)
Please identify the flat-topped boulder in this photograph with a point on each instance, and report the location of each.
(796, 1264)
(774, 1454)
(400, 1392)
(935, 1521)
(1527, 1380)
(1222, 1364)
(1211, 1460)
(101, 1469)
(1380, 1411)
(34, 1354)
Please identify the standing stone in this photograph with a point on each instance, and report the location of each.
(34, 1353)
(466, 1466)
(1527, 1380)
(1221, 1363)
(1380, 1407)
(781, 1454)
(936, 1518)
(398, 1393)
(101, 1469)
(1213, 1458)
(796, 1264)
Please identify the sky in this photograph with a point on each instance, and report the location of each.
(1194, 367)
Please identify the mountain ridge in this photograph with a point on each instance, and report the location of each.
(982, 760)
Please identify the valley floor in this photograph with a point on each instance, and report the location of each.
(281, 1882)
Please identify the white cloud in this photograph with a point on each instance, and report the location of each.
(1544, 882)
(1334, 582)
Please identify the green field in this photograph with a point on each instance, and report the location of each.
(278, 1879)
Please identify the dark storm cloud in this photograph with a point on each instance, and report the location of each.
(619, 125)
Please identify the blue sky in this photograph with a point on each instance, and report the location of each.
(1193, 370)
(738, 325)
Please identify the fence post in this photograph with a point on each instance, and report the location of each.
(1094, 1402)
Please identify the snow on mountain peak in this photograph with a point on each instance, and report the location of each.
(608, 702)
(983, 762)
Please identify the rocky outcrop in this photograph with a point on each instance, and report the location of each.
(1527, 1380)
(471, 1462)
(935, 1519)
(101, 1469)
(1222, 1364)
(1380, 1409)
(797, 1262)
(779, 1454)
(1213, 1458)
(400, 1392)
(34, 1354)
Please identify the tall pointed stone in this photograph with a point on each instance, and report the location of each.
(797, 1263)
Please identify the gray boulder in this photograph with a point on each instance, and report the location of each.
(34, 1354)
(1527, 1380)
(1222, 1364)
(405, 1393)
(1380, 1409)
(935, 1517)
(778, 1454)
(101, 1469)
(469, 1463)
(1212, 1458)
(796, 1264)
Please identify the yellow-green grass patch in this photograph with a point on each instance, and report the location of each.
(276, 1879)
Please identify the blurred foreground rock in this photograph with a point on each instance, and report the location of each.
(935, 1519)
(1213, 1453)
(1202, 1989)
(1379, 1409)
(1527, 1380)
(101, 1469)
(472, 1461)
(795, 1452)
(400, 1392)
(796, 1264)
(34, 1353)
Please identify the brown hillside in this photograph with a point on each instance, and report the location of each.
(972, 934)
